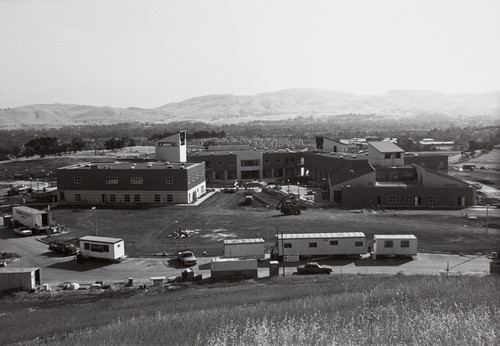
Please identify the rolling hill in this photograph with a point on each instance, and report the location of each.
(282, 104)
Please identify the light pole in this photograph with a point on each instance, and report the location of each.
(288, 186)
(95, 212)
(298, 190)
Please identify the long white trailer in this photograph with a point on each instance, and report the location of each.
(394, 245)
(321, 244)
(244, 248)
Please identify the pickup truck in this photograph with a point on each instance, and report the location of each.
(313, 268)
(63, 248)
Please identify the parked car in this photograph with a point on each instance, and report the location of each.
(23, 231)
(248, 199)
(313, 268)
(63, 248)
(187, 257)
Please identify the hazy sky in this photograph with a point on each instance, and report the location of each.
(148, 53)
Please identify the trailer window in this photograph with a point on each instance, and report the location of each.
(388, 243)
(313, 244)
(334, 242)
(287, 245)
(405, 243)
(358, 243)
(99, 248)
(86, 246)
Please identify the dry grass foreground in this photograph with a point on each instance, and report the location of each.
(350, 311)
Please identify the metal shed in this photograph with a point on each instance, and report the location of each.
(252, 247)
(19, 279)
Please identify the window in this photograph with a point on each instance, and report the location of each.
(334, 242)
(112, 197)
(388, 243)
(219, 163)
(313, 244)
(126, 197)
(99, 248)
(392, 199)
(137, 198)
(135, 180)
(78, 197)
(266, 161)
(157, 199)
(358, 243)
(208, 164)
(432, 200)
(111, 180)
(170, 198)
(408, 199)
(169, 180)
(249, 163)
(86, 246)
(202, 189)
(398, 155)
(77, 180)
(287, 245)
(231, 162)
(405, 243)
(230, 175)
(387, 156)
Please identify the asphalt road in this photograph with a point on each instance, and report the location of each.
(56, 269)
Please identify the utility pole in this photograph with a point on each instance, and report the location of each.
(95, 212)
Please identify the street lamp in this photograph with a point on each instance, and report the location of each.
(95, 212)
(288, 185)
(298, 190)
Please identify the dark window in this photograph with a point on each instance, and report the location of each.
(137, 198)
(231, 162)
(334, 242)
(170, 198)
(86, 246)
(387, 156)
(405, 243)
(358, 243)
(388, 243)
(313, 244)
(99, 248)
(78, 197)
(157, 198)
(112, 197)
(287, 245)
(77, 180)
(398, 155)
(126, 198)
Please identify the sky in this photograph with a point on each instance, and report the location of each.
(135, 53)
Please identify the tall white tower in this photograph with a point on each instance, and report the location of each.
(172, 148)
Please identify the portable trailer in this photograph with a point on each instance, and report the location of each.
(233, 268)
(112, 249)
(394, 245)
(19, 279)
(321, 244)
(253, 247)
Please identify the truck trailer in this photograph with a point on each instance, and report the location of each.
(244, 248)
(30, 217)
(321, 244)
(233, 268)
(112, 249)
(394, 245)
(19, 279)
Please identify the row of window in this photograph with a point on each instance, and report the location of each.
(250, 163)
(411, 199)
(396, 155)
(332, 243)
(133, 180)
(127, 198)
(390, 243)
(96, 247)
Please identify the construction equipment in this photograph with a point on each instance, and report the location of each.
(288, 206)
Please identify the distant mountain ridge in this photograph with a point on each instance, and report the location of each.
(289, 103)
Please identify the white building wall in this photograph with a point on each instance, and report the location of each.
(380, 249)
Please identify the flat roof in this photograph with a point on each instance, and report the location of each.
(234, 152)
(394, 236)
(243, 241)
(18, 270)
(147, 165)
(321, 235)
(390, 184)
(30, 210)
(96, 239)
(386, 147)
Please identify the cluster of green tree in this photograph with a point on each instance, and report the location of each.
(409, 131)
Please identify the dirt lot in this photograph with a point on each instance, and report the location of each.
(146, 231)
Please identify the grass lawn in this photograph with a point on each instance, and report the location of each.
(316, 310)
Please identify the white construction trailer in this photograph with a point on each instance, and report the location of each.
(244, 248)
(321, 244)
(30, 217)
(233, 268)
(394, 245)
(112, 249)
(19, 279)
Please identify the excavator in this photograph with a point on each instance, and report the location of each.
(288, 206)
